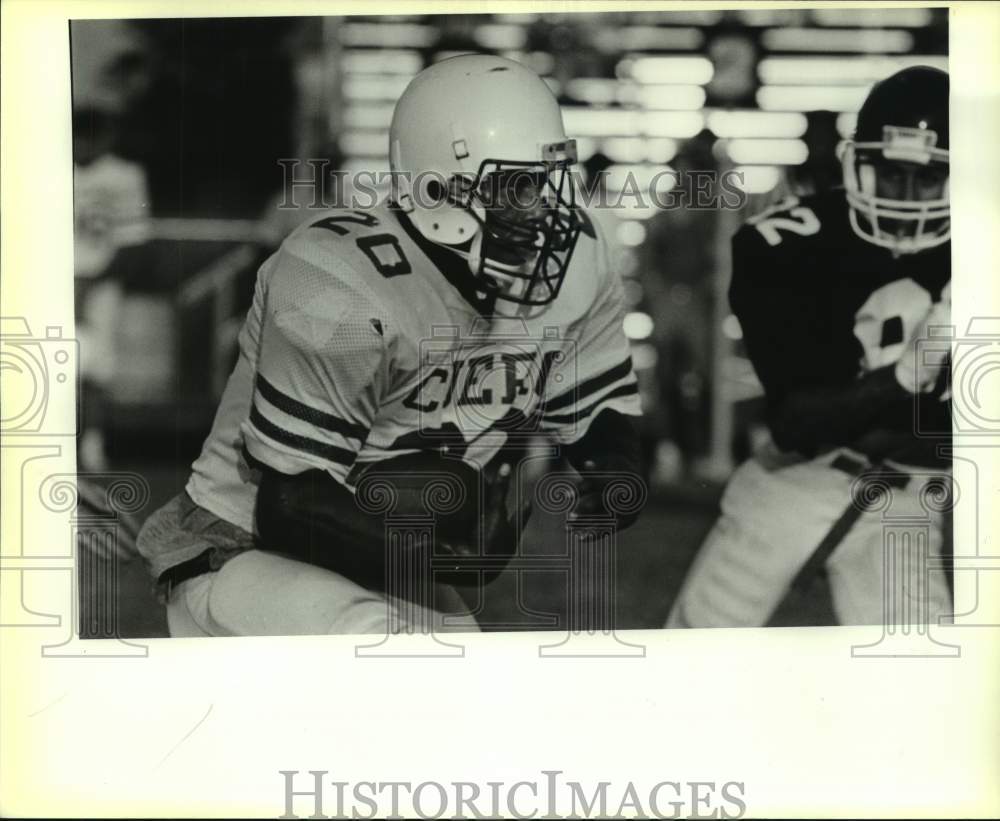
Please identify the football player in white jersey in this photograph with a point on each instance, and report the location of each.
(837, 294)
(473, 309)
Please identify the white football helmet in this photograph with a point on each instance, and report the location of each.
(465, 135)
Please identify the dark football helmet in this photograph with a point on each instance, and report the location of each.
(896, 167)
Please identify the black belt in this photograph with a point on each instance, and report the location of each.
(206, 562)
(860, 502)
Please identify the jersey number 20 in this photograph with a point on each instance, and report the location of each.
(383, 250)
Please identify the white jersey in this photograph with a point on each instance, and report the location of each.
(365, 342)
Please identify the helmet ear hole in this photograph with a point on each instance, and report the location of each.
(436, 192)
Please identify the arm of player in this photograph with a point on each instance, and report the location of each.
(319, 377)
(313, 518)
(807, 419)
(316, 519)
(592, 417)
(610, 446)
(919, 368)
(782, 319)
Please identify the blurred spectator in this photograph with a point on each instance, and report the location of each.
(821, 171)
(569, 40)
(596, 197)
(609, 221)
(677, 263)
(111, 209)
(733, 52)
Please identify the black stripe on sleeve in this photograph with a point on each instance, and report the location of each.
(330, 453)
(317, 418)
(584, 389)
(562, 419)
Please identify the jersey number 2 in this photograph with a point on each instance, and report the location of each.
(383, 250)
(800, 220)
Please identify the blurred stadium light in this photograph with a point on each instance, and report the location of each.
(638, 325)
(358, 142)
(871, 41)
(682, 17)
(595, 90)
(626, 38)
(838, 70)
(805, 98)
(878, 18)
(639, 149)
(631, 233)
(773, 152)
(540, 62)
(388, 35)
(367, 116)
(500, 36)
(375, 86)
(846, 123)
(383, 61)
(677, 124)
(684, 70)
(757, 179)
(647, 177)
(600, 122)
(756, 124)
(771, 17)
(680, 97)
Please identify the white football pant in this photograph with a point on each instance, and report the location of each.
(773, 519)
(265, 594)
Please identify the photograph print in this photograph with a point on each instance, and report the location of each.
(582, 323)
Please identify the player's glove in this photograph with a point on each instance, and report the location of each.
(593, 498)
(920, 366)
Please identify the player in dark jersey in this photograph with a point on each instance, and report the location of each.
(837, 295)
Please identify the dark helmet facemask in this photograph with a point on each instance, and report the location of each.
(527, 232)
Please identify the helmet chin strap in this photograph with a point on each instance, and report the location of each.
(475, 253)
(504, 275)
